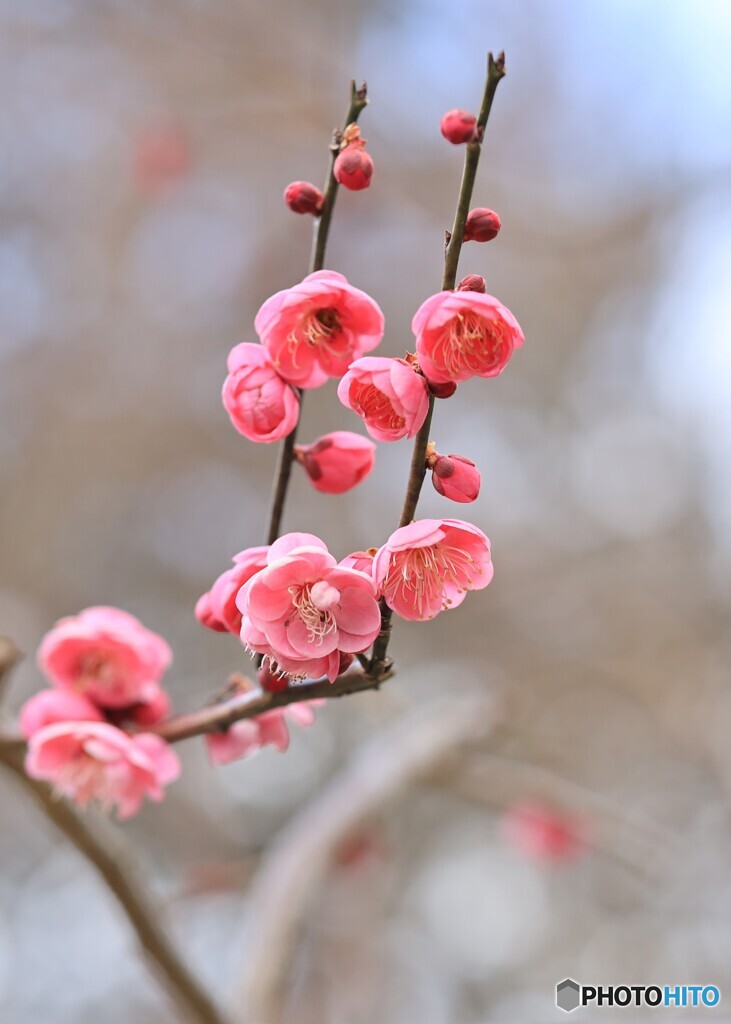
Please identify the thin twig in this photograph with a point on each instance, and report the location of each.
(113, 864)
(290, 877)
(358, 101)
(495, 72)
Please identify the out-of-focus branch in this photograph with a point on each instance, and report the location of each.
(112, 861)
(9, 658)
(291, 875)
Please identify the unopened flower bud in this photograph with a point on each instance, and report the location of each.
(458, 126)
(472, 283)
(271, 681)
(482, 225)
(338, 461)
(454, 477)
(303, 197)
(353, 168)
(445, 390)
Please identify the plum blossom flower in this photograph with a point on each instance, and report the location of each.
(360, 560)
(216, 609)
(303, 609)
(454, 476)
(107, 655)
(49, 707)
(317, 328)
(428, 566)
(96, 762)
(246, 738)
(464, 334)
(389, 395)
(338, 461)
(543, 834)
(261, 405)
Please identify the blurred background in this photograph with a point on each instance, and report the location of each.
(144, 151)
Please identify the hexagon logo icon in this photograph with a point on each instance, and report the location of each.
(568, 995)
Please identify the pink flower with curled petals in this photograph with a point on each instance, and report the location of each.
(96, 762)
(246, 738)
(428, 566)
(216, 609)
(389, 395)
(261, 405)
(464, 334)
(317, 328)
(303, 609)
(107, 655)
(49, 707)
(338, 461)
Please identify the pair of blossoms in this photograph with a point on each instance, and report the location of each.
(321, 328)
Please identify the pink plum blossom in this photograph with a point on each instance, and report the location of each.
(49, 707)
(455, 477)
(96, 762)
(107, 655)
(360, 560)
(303, 608)
(338, 461)
(261, 405)
(317, 328)
(429, 566)
(246, 738)
(216, 609)
(389, 395)
(464, 334)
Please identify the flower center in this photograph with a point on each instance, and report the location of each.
(472, 342)
(96, 668)
(86, 779)
(309, 600)
(377, 407)
(421, 575)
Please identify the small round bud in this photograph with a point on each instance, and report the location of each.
(445, 390)
(353, 168)
(458, 126)
(303, 197)
(482, 225)
(272, 681)
(472, 283)
(455, 477)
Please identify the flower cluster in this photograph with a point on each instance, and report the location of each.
(105, 669)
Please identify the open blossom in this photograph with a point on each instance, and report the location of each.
(464, 334)
(96, 762)
(246, 738)
(107, 655)
(317, 328)
(49, 707)
(261, 405)
(216, 609)
(338, 461)
(303, 608)
(428, 566)
(542, 833)
(389, 395)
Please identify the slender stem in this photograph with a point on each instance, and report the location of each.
(112, 863)
(495, 71)
(358, 101)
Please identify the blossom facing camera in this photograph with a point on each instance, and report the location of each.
(389, 395)
(314, 330)
(428, 566)
(216, 609)
(458, 126)
(353, 168)
(303, 197)
(543, 834)
(107, 655)
(93, 762)
(482, 225)
(303, 609)
(455, 477)
(261, 405)
(464, 334)
(338, 461)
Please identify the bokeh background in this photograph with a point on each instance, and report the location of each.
(143, 152)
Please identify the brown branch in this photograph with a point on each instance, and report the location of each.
(358, 101)
(111, 860)
(495, 72)
(292, 874)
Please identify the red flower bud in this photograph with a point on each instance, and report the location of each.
(271, 681)
(303, 197)
(442, 390)
(353, 168)
(482, 225)
(458, 126)
(337, 462)
(455, 477)
(472, 283)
